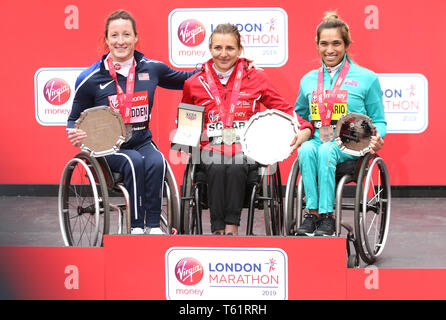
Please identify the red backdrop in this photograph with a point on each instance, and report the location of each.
(409, 39)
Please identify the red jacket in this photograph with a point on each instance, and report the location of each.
(256, 89)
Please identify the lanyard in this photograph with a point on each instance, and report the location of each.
(326, 112)
(227, 116)
(124, 99)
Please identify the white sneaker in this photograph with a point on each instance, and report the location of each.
(157, 231)
(136, 231)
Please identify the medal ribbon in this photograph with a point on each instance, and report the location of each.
(125, 100)
(227, 116)
(326, 112)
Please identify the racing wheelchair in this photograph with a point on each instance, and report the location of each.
(87, 194)
(263, 193)
(371, 206)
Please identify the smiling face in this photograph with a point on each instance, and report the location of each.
(121, 39)
(331, 46)
(225, 51)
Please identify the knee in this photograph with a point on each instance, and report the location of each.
(327, 154)
(307, 152)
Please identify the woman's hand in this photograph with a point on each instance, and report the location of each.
(251, 65)
(299, 138)
(76, 136)
(376, 143)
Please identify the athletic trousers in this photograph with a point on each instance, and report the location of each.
(317, 163)
(143, 169)
(226, 180)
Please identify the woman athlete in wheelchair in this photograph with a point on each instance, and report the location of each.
(231, 93)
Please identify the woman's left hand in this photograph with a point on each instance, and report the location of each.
(299, 138)
(251, 65)
(376, 143)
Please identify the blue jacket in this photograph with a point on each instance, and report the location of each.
(364, 93)
(94, 86)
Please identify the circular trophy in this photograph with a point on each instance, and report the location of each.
(268, 136)
(353, 133)
(105, 130)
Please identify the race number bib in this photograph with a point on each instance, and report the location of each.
(140, 109)
(339, 108)
(214, 131)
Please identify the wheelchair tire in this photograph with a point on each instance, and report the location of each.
(372, 208)
(190, 213)
(170, 212)
(290, 199)
(83, 202)
(276, 202)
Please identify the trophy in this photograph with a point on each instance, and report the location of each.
(268, 136)
(105, 131)
(353, 133)
(190, 126)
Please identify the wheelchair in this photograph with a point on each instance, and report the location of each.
(263, 193)
(87, 193)
(371, 206)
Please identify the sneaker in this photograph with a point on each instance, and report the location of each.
(326, 226)
(156, 231)
(136, 231)
(307, 227)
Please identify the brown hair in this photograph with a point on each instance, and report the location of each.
(227, 28)
(120, 14)
(331, 20)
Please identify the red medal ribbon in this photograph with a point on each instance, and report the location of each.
(227, 116)
(125, 100)
(326, 112)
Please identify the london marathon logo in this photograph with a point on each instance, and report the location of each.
(191, 32)
(189, 271)
(57, 91)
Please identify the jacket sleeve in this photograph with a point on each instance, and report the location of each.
(187, 95)
(375, 107)
(83, 99)
(172, 79)
(271, 98)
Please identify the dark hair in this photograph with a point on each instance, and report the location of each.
(227, 28)
(120, 14)
(331, 20)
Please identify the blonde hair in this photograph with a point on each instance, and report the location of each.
(331, 20)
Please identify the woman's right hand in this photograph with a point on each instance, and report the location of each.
(76, 136)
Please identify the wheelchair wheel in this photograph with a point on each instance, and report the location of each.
(190, 217)
(291, 193)
(372, 208)
(276, 201)
(83, 202)
(170, 212)
(273, 205)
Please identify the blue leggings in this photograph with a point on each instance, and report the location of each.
(317, 162)
(143, 168)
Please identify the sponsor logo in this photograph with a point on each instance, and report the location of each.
(103, 86)
(57, 91)
(189, 271)
(191, 32)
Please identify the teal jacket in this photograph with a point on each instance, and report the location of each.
(364, 93)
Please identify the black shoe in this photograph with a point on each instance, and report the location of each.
(307, 227)
(326, 226)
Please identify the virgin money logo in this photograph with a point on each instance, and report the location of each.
(57, 91)
(191, 32)
(189, 271)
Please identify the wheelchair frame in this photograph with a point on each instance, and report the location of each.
(84, 201)
(372, 207)
(265, 195)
